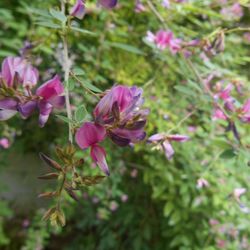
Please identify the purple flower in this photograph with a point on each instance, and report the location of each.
(244, 112)
(113, 206)
(218, 114)
(124, 198)
(202, 183)
(109, 4)
(4, 143)
(8, 108)
(89, 135)
(78, 9)
(50, 97)
(139, 7)
(164, 39)
(120, 113)
(232, 12)
(165, 4)
(165, 142)
(17, 69)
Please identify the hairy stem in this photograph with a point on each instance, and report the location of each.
(66, 67)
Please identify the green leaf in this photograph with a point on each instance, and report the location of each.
(71, 84)
(58, 15)
(168, 208)
(89, 85)
(48, 25)
(79, 72)
(125, 47)
(81, 113)
(228, 154)
(83, 31)
(64, 118)
(185, 90)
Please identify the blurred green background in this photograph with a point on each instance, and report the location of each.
(147, 202)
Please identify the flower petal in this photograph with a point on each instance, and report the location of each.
(156, 137)
(27, 108)
(179, 138)
(6, 114)
(78, 9)
(51, 89)
(89, 134)
(168, 149)
(108, 3)
(8, 103)
(98, 155)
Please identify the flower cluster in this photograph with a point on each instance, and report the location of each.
(230, 104)
(164, 39)
(164, 141)
(17, 80)
(119, 116)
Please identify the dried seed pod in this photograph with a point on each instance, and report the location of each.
(50, 162)
(49, 176)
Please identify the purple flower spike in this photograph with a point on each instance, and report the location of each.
(88, 136)
(50, 94)
(109, 4)
(78, 9)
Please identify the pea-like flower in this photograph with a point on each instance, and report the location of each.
(16, 70)
(165, 142)
(88, 136)
(50, 96)
(119, 111)
(78, 9)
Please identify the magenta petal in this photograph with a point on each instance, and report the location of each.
(30, 76)
(168, 149)
(246, 107)
(179, 138)
(78, 9)
(89, 134)
(57, 102)
(51, 88)
(98, 155)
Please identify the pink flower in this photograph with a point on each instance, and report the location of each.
(17, 69)
(218, 114)
(78, 9)
(244, 112)
(134, 173)
(89, 135)
(238, 192)
(120, 113)
(109, 4)
(50, 94)
(202, 183)
(113, 206)
(4, 143)
(124, 198)
(139, 7)
(164, 39)
(165, 142)
(165, 4)
(232, 12)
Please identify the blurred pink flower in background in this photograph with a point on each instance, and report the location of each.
(139, 7)
(113, 206)
(232, 12)
(134, 173)
(201, 183)
(4, 143)
(164, 39)
(124, 197)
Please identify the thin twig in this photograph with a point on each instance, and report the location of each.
(158, 15)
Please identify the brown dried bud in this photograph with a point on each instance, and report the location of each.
(47, 194)
(50, 162)
(49, 176)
